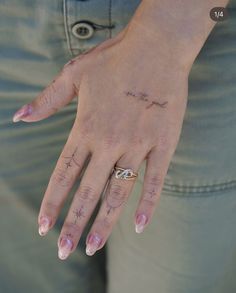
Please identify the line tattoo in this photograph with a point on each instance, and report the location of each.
(144, 97)
(71, 159)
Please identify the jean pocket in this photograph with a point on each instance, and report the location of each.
(88, 23)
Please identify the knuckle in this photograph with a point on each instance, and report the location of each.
(137, 140)
(62, 178)
(149, 202)
(162, 142)
(115, 197)
(73, 228)
(86, 126)
(104, 223)
(117, 192)
(52, 206)
(45, 99)
(87, 193)
(155, 180)
(111, 140)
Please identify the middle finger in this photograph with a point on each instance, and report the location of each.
(85, 199)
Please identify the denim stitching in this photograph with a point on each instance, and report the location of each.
(66, 26)
(200, 189)
(191, 195)
(109, 15)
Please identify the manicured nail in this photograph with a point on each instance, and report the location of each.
(44, 226)
(94, 242)
(65, 248)
(140, 223)
(22, 112)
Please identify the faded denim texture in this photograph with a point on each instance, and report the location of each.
(190, 245)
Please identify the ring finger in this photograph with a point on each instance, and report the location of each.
(116, 194)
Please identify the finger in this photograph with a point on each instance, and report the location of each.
(85, 200)
(156, 169)
(66, 172)
(116, 195)
(55, 96)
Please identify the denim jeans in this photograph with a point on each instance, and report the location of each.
(190, 245)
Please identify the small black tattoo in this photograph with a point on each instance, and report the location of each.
(71, 159)
(79, 213)
(152, 193)
(156, 103)
(69, 235)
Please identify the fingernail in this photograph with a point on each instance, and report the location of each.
(65, 248)
(141, 221)
(22, 112)
(44, 226)
(94, 242)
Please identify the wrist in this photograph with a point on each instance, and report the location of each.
(178, 29)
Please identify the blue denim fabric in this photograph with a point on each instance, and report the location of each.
(190, 246)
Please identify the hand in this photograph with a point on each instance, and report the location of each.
(131, 106)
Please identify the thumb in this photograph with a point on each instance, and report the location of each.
(55, 96)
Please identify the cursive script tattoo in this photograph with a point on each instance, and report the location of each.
(144, 97)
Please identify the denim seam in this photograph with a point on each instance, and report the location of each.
(66, 26)
(200, 189)
(109, 20)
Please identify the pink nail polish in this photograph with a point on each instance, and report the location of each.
(22, 112)
(141, 221)
(94, 241)
(44, 225)
(65, 248)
